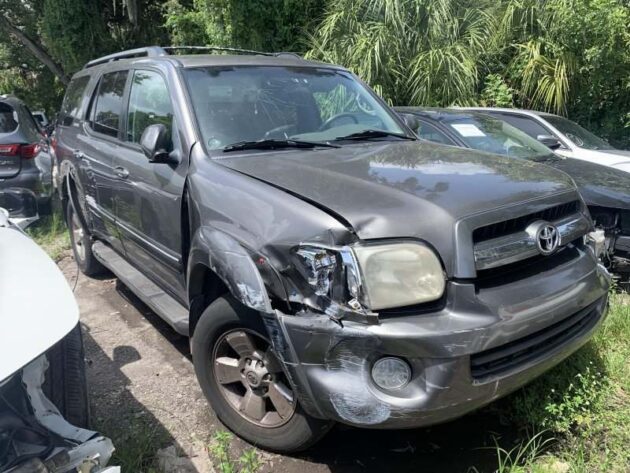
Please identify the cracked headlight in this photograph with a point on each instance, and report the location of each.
(400, 274)
(374, 276)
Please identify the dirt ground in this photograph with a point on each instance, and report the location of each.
(140, 372)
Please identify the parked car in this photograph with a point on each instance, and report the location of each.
(43, 393)
(567, 138)
(41, 118)
(605, 190)
(327, 265)
(25, 163)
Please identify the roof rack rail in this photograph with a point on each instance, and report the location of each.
(156, 51)
(216, 48)
(149, 51)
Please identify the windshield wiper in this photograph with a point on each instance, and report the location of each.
(275, 144)
(369, 134)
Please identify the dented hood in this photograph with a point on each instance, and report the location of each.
(397, 189)
(37, 307)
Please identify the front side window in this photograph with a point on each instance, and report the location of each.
(109, 102)
(73, 99)
(149, 104)
(236, 104)
(580, 136)
(495, 136)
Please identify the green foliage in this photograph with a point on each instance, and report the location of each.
(248, 462)
(250, 24)
(51, 234)
(75, 32)
(496, 93)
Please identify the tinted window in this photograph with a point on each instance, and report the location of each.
(429, 132)
(525, 124)
(8, 122)
(73, 99)
(149, 104)
(108, 105)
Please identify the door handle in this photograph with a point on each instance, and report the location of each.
(121, 172)
(78, 154)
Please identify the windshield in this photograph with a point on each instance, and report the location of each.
(241, 104)
(580, 136)
(496, 136)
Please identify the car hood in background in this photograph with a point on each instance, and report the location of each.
(613, 157)
(37, 307)
(398, 189)
(599, 185)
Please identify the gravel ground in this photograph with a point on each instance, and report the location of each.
(140, 374)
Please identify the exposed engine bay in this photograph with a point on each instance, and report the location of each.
(35, 438)
(616, 253)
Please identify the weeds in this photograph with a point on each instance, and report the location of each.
(521, 458)
(248, 462)
(51, 234)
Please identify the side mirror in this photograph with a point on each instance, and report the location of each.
(411, 121)
(155, 143)
(549, 141)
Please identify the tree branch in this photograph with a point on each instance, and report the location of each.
(37, 50)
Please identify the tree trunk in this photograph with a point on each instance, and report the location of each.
(37, 50)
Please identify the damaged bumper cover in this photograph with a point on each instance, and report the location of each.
(35, 437)
(463, 355)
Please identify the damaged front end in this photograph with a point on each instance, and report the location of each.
(615, 248)
(34, 436)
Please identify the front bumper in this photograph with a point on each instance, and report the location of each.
(329, 365)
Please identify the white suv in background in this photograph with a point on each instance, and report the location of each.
(573, 141)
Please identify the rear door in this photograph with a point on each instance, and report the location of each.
(149, 200)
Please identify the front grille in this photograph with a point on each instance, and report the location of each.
(506, 358)
(518, 224)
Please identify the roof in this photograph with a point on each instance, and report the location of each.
(234, 57)
(522, 111)
(438, 114)
(11, 100)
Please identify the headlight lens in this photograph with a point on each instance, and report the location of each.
(398, 275)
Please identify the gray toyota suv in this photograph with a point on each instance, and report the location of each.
(327, 266)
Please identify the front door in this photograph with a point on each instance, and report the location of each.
(149, 197)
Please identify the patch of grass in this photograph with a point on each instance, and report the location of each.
(51, 234)
(248, 462)
(136, 446)
(584, 403)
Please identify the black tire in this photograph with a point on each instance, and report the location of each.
(87, 262)
(222, 316)
(65, 382)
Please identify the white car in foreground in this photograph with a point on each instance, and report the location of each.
(43, 394)
(572, 141)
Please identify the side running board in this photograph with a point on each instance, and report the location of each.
(147, 291)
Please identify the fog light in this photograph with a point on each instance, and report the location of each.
(391, 373)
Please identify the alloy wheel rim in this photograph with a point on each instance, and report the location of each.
(251, 379)
(77, 236)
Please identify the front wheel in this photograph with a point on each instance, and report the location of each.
(245, 382)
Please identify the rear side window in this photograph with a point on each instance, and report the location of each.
(8, 121)
(525, 124)
(72, 101)
(107, 108)
(149, 104)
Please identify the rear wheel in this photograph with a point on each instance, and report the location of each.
(245, 382)
(82, 244)
(65, 383)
